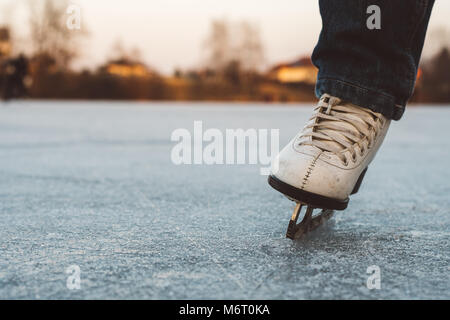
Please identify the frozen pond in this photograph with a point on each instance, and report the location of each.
(93, 185)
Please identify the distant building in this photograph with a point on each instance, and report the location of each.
(299, 71)
(127, 68)
(5, 42)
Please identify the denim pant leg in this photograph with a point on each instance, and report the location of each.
(372, 68)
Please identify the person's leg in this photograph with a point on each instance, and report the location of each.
(365, 79)
(375, 69)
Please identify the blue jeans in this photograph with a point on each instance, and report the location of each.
(373, 68)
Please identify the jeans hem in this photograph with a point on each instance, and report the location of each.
(363, 97)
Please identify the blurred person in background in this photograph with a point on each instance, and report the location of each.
(14, 73)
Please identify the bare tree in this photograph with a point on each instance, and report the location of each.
(250, 49)
(234, 42)
(49, 33)
(218, 45)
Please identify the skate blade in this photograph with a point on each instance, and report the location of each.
(308, 223)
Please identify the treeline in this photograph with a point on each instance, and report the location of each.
(236, 85)
(229, 83)
(434, 84)
(87, 85)
(233, 68)
(232, 71)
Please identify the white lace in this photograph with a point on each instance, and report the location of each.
(338, 128)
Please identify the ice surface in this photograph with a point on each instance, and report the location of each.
(92, 184)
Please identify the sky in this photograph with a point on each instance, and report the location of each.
(170, 33)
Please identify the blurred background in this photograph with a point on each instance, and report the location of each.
(180, 50)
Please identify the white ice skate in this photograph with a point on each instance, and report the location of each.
(327, 160)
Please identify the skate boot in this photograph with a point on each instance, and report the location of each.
(327, 160)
